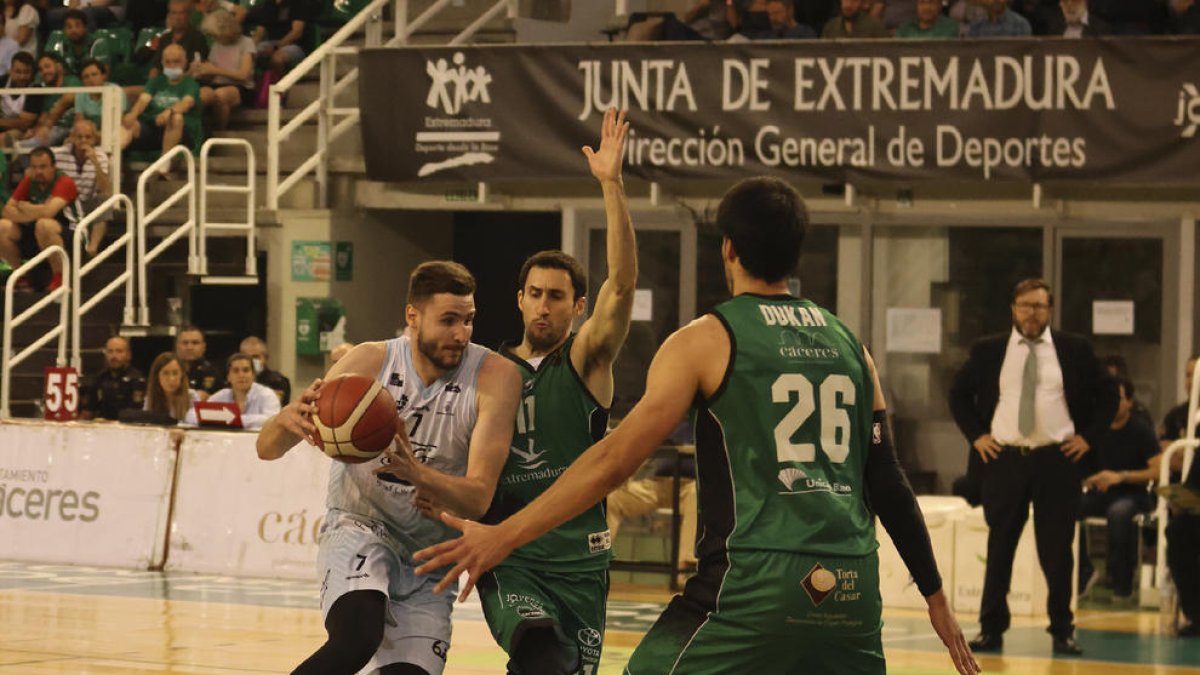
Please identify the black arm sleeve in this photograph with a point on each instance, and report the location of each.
(890, 496)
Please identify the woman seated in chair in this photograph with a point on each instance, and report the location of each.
(227, 76)
(167, 389)
(91, 106)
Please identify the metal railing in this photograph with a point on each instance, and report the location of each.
(1187, 445)
(247, 226)
(60, 295)
(79, 269)
(145, 220)
(325, 109)
(110, 119)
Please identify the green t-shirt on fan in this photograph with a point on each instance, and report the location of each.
(164, 94)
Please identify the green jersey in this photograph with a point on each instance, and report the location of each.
(557, 421)
(782, 444)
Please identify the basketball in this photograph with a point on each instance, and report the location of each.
(356, 418)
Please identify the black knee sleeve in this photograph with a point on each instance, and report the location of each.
(355, 627)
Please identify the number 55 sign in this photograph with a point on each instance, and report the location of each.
(61, 398)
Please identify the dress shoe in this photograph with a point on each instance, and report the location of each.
(987, 642)
(1067, 646)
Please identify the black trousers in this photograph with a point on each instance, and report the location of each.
(1045, 478)
(1183, 558)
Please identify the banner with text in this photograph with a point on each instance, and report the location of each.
(236, 514)
(86, 494)
(1117, 111)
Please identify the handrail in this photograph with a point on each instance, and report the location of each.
(60, 294)
(324, 108)
(144, 220)
(79, 270)
(247, 189)
(1188, 445)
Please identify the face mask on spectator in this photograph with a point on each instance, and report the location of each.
(258, 365)
(173, 73)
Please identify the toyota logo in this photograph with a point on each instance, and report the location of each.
(589, 637)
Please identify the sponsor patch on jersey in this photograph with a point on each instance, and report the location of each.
(877, 433)
(818, 584)
(796, 345)
(441, 648)
(394, 380)
(589, 637)
(599, 541)
(530, 612)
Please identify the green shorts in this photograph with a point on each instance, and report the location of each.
(770, 612)
(517, 599)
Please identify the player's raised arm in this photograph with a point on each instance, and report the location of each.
(294, 422)
(892, 499)
(498, 395)
(675, 376)
(601, 336)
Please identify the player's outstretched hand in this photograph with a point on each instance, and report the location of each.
(296, 417)
(946, 626)
(479, 549)
(605, 163)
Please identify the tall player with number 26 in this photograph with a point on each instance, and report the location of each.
(793, 461)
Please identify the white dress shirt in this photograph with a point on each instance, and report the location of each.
(1052, 418)
(261, 404)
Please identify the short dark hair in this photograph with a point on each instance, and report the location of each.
(52, 56)
(557, 260)
(87, 63)
(23, 57)
(190, 328)
(76, 14)
(766, 220)
(1032, 284)
(234, 358)
(43, 150)
(439, 276)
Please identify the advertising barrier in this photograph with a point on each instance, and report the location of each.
(236, 514)
(896, 585)
(85, 494)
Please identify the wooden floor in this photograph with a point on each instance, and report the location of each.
(58, 619)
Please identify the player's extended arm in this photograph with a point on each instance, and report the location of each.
(470, 495)
(671, 386)
(892, 499)
(294, 422)
(601, 336)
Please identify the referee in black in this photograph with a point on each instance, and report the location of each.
(1032, 403)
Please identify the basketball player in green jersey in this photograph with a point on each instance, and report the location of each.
(545, 603)
(793, 456)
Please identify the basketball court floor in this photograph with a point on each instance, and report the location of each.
(65, 619)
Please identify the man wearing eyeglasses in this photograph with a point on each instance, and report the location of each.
(1032, 402)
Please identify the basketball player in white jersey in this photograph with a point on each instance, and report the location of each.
(457, 401)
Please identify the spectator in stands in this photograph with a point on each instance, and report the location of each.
(87, 165)
(19, 113)
(1074, 21)
(1117, 368)
(1118, 492)
(782, 15)
(181, 33)
(715, 19)
(1183, 17)
(201, 375)
(207, 7)
(8, 49)
(47, 131)
(966, 12)
(853, 22)
(279, 28)
(256, 349)
(256, 403)
(639, 496)
(167, 390)
(896, 13)
(95, 13)
(91, 106)
(159, 117)
(77, 43)
(40, 209)
(1000, 21)
(119, 387)
(227, 76)
(929, 24)
(1174, 424)
(21, 24)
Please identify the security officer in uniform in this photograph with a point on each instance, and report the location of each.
(274, 380)
(119, 387)
(203, 378)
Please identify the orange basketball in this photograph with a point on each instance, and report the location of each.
(356, 418)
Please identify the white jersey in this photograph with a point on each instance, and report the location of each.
(440, 419)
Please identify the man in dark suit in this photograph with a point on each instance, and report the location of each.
(1032, 403)
(1071, 19)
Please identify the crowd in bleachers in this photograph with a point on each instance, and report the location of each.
(915, 19)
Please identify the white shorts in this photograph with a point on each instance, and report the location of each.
(355, 556)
